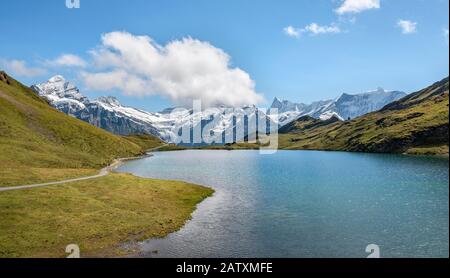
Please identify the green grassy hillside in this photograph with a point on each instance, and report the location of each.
(416, 124)
(306, 123)
(39, 143)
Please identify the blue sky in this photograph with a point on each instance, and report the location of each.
(351, 51)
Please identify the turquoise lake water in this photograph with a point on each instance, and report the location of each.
(306, 204)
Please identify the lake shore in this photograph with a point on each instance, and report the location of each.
(48, 204)
(99, 215)
(440, 151)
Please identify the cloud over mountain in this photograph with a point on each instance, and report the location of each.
(67, 60)
(182, 70)
(21, 68)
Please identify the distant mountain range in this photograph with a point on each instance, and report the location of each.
(109, 114)
(416, 124)
(344, 107)
(218, 122)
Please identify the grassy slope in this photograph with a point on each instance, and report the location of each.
(99, 215)
(417, 123)
(146, 142)
(39, 143)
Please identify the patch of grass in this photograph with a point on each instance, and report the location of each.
(25, 175)
(146, 142)
(172, 147)
(99, 215)
(432, 150)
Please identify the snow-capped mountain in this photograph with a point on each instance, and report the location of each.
(352, 106)
(344, 107)
(105, 112)
(218, 124)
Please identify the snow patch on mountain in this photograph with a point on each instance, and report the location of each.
(328, 115)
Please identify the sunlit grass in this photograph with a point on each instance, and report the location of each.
(99, 215)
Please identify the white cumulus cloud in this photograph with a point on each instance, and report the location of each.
(317, 29)
(407, 26)
(67, 60)
(129, 84)
(357, 6)
(313, 29)
(291, 31)
(182, 70)
(20, 68)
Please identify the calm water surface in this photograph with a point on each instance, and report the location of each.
(306, 204)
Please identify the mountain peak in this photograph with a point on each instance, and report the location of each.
(380, 90)
(276, 103)
(109, 100)
(57, 88)
(377, 92)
